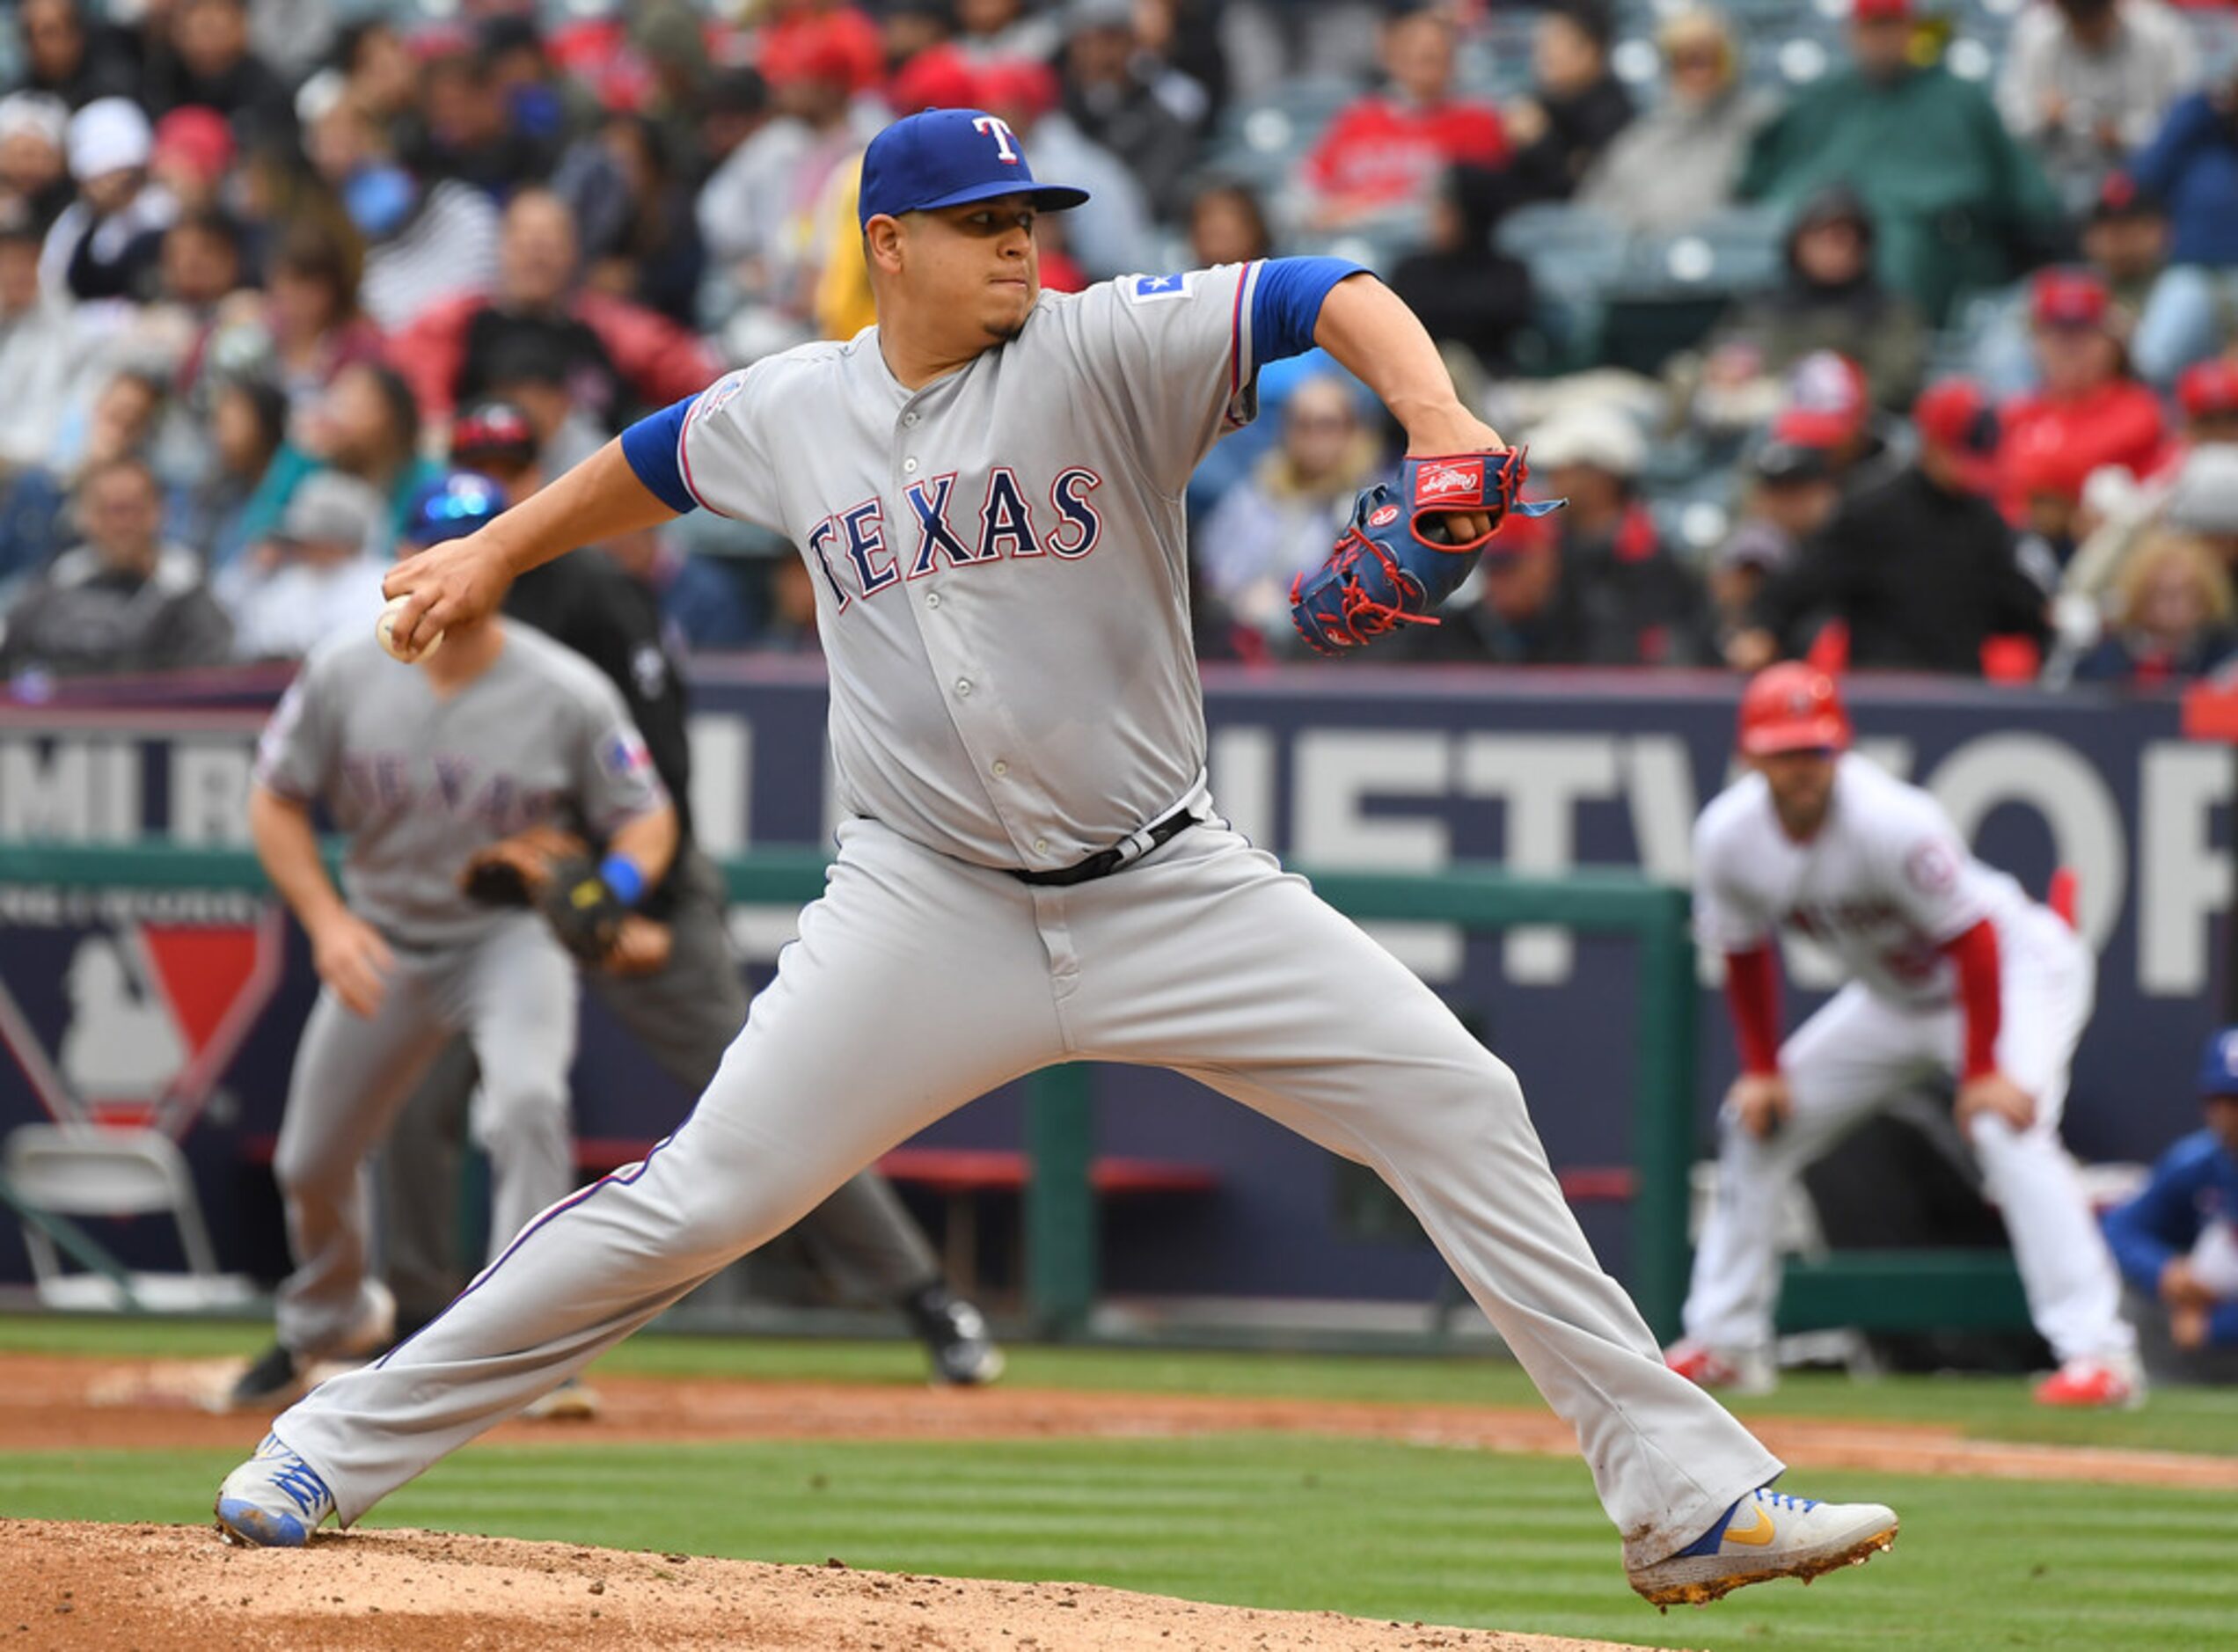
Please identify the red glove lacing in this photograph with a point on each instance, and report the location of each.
(1364, 616)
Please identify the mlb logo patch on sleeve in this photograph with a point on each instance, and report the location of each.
(625, 753)
(720, 393)
(1142, 290)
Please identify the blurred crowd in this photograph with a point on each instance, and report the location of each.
(1902, 333)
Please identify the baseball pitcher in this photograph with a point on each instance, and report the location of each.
(986, 487)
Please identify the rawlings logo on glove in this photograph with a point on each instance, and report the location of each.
(1398, 559)
(1450, 482)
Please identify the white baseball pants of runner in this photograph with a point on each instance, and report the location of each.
(1861, 1052)
(512, 993)
(919, 982)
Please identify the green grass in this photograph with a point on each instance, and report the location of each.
(1986, 1408)
(1378, 1529)
(1368, 1527)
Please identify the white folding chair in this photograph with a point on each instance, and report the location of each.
(88, 1170)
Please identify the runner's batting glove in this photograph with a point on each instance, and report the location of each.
(1397, 561)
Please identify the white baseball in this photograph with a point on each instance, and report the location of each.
(384, 629)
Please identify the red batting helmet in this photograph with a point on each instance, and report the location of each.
(1792, 707)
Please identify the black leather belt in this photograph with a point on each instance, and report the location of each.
(1105, 862)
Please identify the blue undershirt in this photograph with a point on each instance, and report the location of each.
(1286, 304)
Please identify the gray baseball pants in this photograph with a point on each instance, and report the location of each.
(512, 994)
(919, 982)
(684, 1015)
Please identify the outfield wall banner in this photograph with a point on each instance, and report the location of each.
(1404, 770)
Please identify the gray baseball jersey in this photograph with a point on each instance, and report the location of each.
(999, 558)
(419, 780)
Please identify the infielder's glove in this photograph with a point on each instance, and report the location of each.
(1397, 561)
(552, 872)
(516, 871)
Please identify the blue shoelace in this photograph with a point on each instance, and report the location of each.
(1780, 1499)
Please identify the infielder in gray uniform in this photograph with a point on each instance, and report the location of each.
(500, 730)
(987, 487)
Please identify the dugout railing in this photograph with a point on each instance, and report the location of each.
(1061, 1284)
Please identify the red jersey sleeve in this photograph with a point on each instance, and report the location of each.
(1980, 998)
(1752, 994)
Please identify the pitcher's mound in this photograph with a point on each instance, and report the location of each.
(179, 1589)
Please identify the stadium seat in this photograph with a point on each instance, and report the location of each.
(1734, 251)
(1970, 60)
(1578, 241)
(1802, 60)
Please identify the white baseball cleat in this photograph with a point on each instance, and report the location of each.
(1767, 1534)
(273, 1500)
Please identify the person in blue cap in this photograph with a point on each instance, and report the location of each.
(2176, 1242)
(986, 489)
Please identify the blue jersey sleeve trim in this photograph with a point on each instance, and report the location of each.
(1286, 303)
(654, 447)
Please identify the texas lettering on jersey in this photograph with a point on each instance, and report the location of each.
(394, 782)
(860, 554)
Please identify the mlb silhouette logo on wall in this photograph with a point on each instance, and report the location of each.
(124, 1006)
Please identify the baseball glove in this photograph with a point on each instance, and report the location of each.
(516, 870)
(1398, 561)
(552, 872)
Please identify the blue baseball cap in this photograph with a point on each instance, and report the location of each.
(2218, 1064)
(947, 157)
(451, 507)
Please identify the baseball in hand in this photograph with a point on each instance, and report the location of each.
(384, 629)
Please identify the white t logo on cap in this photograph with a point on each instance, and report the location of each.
(1000, 128)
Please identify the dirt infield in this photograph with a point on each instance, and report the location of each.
(47, 1402)
(178, 1589)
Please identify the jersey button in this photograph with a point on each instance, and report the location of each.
(963, 688)
(910, 419)
(1041, 846)
(908, 467)
(932, 599)
(1001, 768)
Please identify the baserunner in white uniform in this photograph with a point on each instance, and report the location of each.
(1955, 975)
(500, 730)
(987, 488)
